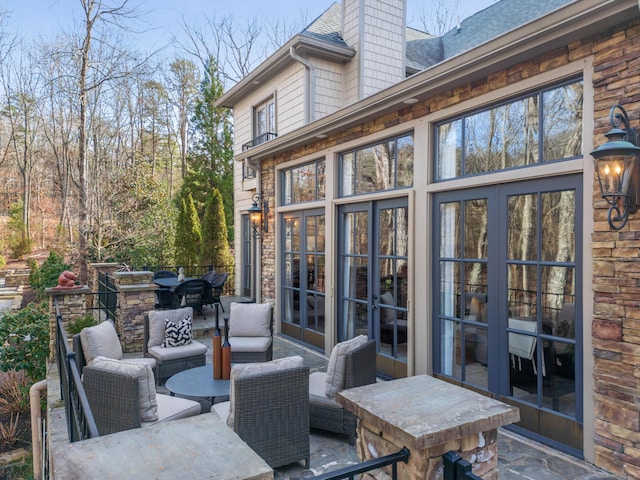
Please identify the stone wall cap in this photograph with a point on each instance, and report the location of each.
(132, 274)
(423, 411)
(78, 289)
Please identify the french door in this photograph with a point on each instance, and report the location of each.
(507, 300)
(372, 279)
(303, 274)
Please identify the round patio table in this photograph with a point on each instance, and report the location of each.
(198, 382)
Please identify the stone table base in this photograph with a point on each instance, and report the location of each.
(430, 417)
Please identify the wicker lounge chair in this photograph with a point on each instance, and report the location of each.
(324, 412)
(271, 411)
(170, 360)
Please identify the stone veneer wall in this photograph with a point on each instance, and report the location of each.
(616, 267)
(616, 271)
(136, 295)
(72, 304)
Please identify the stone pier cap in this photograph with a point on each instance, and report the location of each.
(422, 411)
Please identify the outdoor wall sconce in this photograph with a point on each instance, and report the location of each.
(258, 215)
(617, 169)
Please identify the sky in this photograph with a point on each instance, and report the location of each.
(32, 18)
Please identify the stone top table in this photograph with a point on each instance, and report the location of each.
(430, 417)
(200, 447)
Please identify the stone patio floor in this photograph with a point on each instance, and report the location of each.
(519, 458)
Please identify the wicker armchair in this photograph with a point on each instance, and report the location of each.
(171, 360)
(324, 412)
(102, 340)
(271, 412)
(115, 402)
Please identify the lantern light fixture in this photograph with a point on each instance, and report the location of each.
(258, 215)
(617, 169)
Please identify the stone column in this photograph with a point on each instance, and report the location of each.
(136, 295)
(71, 303)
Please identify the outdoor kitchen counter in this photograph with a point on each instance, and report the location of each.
(430, 417)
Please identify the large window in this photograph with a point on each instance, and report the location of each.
(541, 127)
(387, 165)
(304, 183)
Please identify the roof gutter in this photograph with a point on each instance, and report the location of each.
(561, 27)
(309, 81)
(279, 60)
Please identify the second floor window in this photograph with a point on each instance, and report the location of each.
(264, 122)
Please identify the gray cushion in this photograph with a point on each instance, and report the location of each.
(174, 408)
(388, 314)
(100, 341)
(336, 371)
(142, 360)
(156, 323)
(318, 391)
(250, 320)
(162, 354)
(146, 383)
(250, 344)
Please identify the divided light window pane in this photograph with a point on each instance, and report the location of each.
(541, 127)
(387, 165)
(304, 183)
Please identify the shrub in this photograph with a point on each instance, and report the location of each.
(14, 393)
(10, 432)
(25, 341)
(76, 326)
(47, 275)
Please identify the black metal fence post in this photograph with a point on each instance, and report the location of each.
(457, 468)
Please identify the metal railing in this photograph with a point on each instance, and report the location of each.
(107, 295)
(80, 422)
(265, 137)
(457, 468)
(353, 470)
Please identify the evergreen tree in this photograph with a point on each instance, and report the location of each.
(211, 157)
(215, 246)
(188, 233)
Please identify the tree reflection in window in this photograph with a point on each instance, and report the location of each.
(541, 127)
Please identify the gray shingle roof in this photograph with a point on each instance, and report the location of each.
(424, 50)
(494, 21)
(327, 26)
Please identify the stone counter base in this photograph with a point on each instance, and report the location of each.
(481, 450)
